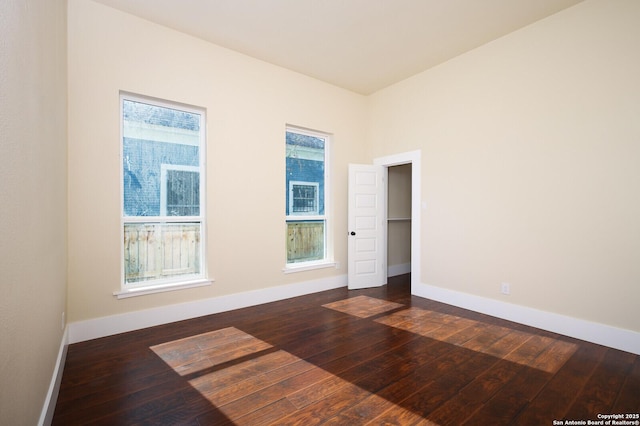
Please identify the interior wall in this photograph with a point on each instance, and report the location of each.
(530, 147)
(399, 218)
(33, 118)
(248, 104)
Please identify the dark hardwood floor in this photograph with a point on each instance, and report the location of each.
(374, 356)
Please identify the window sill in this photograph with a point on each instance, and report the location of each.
(308, 266)
(161, 288)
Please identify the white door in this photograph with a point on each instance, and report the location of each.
(367, 261)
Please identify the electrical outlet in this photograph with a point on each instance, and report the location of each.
(63, 322)
(505, 288)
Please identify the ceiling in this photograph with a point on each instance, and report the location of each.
(360, 45)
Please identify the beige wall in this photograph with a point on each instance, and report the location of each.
(248, 104)
(33, 191)
(530, 159)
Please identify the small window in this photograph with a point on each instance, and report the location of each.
(306, 178)
(303, 197)
(180, 191)
(162, 192)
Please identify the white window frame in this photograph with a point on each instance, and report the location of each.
(182, 281)
(328, 260)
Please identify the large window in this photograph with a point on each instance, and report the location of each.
(162, 192)
(306, 206)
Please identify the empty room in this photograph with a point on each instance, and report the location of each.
(325, 212)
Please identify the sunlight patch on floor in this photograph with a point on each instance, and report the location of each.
(539, 352)
(207, 350)
(363, 306)
(251, 382)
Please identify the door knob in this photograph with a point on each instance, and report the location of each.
(353, 233)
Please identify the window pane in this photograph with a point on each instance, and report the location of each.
(161, 250)
(162, 192)
(183, 193)
(305, 165)
(305, 241)
(155, 137)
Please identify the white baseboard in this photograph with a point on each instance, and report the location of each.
(617, 338)
(602, 334)
(46, 416)
(120, 323)
(401, 269)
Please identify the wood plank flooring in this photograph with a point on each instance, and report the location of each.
(374, 356)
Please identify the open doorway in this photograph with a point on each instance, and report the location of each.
(412, 159)
(398, 220)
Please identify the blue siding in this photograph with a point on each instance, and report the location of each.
(306, 171)
(142, 161)
(305, 163)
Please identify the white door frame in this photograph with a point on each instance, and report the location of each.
(414, 158)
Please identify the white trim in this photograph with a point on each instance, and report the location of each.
(601, 334)
(308, 266)
(415, 159)
(304, 218)
(49, 407)
(400, 269)
(162, 219)
(161, 288)
(120, 323)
